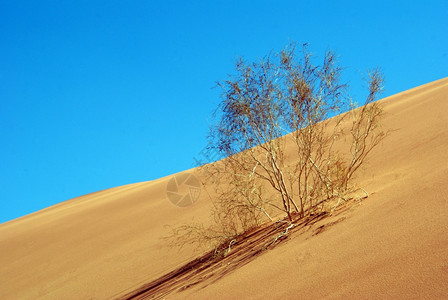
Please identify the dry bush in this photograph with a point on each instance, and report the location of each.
(280, 152)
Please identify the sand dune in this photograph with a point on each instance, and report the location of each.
(393, 245)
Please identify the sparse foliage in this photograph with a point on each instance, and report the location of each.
(280, 128)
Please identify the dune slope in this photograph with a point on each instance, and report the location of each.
(393, 245)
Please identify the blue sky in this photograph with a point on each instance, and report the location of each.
(97, 94)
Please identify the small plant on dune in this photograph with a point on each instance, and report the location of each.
(280, 127)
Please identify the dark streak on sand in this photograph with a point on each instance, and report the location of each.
(209, 268)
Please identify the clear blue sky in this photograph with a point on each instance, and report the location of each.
(97, 94)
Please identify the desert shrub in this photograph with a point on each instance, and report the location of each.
(273, 126)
